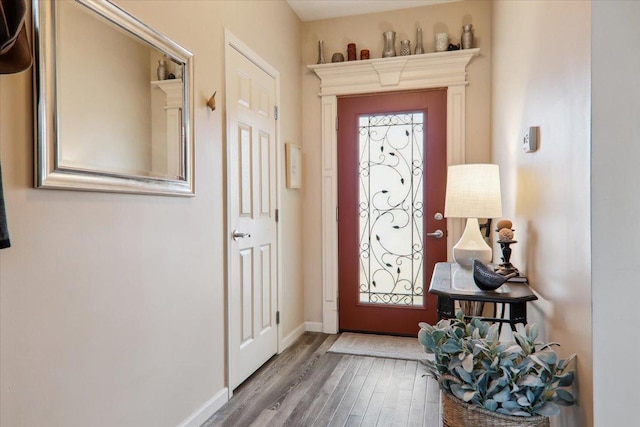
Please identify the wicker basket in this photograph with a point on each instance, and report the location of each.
(456, 413)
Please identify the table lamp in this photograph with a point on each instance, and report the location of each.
(473, 191)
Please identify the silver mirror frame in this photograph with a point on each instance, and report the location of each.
(48, 174)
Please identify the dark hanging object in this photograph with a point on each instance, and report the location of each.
(15, 54)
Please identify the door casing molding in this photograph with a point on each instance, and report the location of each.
(432, 70)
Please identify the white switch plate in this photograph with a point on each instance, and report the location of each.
(530, 140)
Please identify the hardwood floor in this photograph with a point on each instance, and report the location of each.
(306, 386)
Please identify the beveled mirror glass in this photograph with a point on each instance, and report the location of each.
(108, 119)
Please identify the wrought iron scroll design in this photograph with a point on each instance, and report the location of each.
(391, 208)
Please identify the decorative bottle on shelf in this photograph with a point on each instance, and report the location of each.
(467, 37)
(389, 44)
(442, 42)
(419, 49)
(321, 52)
(177, 70)
(405, 47)
(162, 69)
(351, 52)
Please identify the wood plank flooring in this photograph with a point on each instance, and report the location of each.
(306, 386)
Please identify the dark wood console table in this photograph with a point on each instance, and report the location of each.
(452, 283)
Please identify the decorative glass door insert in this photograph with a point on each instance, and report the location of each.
(391, 208)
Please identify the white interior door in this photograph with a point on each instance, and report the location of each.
(251, 177)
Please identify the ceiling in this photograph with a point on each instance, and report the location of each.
(311, 10)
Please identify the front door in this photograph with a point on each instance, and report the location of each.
(251, 195)
(392, 158)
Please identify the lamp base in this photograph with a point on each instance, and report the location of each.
(472, 246)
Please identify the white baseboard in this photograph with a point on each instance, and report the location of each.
(205, 411)
(313, 326)
(289, 339)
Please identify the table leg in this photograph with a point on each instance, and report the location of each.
(445, 308)
(517, 314)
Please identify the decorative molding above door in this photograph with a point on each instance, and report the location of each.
(431, 70)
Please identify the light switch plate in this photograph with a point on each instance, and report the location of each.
(530, 140)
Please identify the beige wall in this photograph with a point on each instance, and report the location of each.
(366, 31)
(541, 77)
(112, 307)
(615, 202)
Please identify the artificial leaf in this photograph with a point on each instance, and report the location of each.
(565, 379)
(502, 395)
(533, 332)
(511, 405)
(468, 395)
(464, 375)
(548, 356)
(457, 390)
(547, 409)
(491, 405)
(531, 396)
(467, 363)
(492, 333)
(513, 349)
(565, 398)
(451, 346)
(530, 381)
(523, 401)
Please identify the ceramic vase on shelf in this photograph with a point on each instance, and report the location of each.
(467, 37)
(389, 44)
(177, 70)
(351, 52)
(405, 47)
(321, 52)
(442, 42)
(162, 69)
(419, 49)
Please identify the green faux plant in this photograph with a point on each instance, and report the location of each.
(521, 378)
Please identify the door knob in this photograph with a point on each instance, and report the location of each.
(239, 235)
(438, 234)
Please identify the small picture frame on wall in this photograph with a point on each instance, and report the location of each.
(293, 159)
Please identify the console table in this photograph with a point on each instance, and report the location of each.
(451, 283)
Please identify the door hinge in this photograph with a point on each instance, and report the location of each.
(275, 112)
(277, 317)
(336, 122)
(277, 215)
(336, 214)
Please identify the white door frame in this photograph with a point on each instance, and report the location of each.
(234, 43)
(433, 70)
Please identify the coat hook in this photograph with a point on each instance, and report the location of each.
(211, 103)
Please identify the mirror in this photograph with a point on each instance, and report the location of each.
(113, 102)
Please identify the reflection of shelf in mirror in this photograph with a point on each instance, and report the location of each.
(172, 89)
(166, 82)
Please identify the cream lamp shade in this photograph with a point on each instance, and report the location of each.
(473, 191)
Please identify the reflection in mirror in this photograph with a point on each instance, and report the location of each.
(110, 116)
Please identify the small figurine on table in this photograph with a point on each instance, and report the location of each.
(505, 239)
